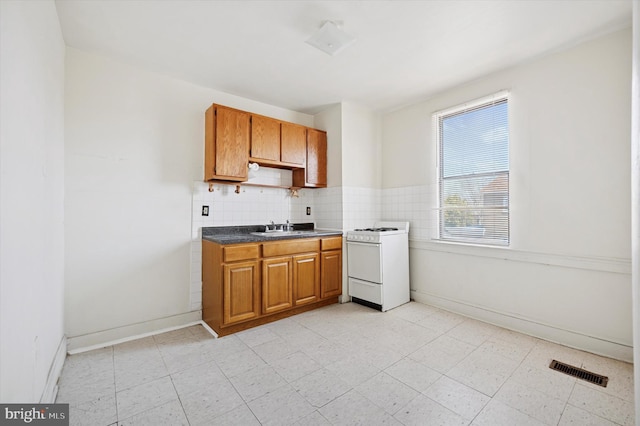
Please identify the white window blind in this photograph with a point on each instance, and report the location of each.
(473, 142)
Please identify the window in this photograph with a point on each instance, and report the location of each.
(473, 142)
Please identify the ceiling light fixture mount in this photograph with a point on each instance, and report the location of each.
(330, 38)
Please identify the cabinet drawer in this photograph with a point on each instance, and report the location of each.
(365, 290)
(279, 248)
(334, 243)
(244, 252)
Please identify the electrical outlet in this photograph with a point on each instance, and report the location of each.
(205, 210)
(308, 211)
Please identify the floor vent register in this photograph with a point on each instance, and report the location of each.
(588, 376)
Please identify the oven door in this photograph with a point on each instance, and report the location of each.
(364, 261)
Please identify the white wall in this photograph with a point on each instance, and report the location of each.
(361, 147)
(566, 275)
(361, 166)
(635, 197)
(32, 345)
(330, 120)
(134, 164)
(352, 198)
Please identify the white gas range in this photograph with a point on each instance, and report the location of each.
(378, 265)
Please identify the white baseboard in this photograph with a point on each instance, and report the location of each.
(527, 326)
(127, 333)
(344, 298)
(50, 391)
(209, 329)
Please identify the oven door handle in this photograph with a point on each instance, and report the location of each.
(358, 243)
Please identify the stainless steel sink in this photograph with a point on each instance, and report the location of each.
(281, 233)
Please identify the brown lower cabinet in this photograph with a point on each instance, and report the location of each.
(306, 279)
(241, 291)
(245, 285)
(277, 293)
(331, 274)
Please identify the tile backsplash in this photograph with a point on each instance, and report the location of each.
(416, 204)
(252, 206)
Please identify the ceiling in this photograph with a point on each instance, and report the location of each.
(406, 51)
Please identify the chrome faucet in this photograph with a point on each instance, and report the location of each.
(289, 226)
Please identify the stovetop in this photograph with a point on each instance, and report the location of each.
(378, 231)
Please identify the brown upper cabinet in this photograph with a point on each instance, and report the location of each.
(314, 175)
(226, 135)
(265, 138)
(233, 138)
(293, 144)
(277, 144)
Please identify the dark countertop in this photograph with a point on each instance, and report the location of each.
(243, 234)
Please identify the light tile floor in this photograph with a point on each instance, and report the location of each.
(345, 365)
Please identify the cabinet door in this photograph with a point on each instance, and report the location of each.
(316, 158)
(241, 291)
(232, 144)
(293, 144)
(277, 293)
(331, 274)
(306, 278)
(265, 138)
(314, 175)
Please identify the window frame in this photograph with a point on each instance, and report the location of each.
(496, 98)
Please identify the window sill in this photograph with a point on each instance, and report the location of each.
(474, 242)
